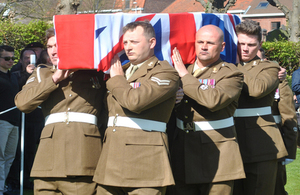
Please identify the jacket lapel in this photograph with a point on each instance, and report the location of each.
(144, 69)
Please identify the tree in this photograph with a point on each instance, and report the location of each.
(292, 17)
(67, 7)
(216, 6)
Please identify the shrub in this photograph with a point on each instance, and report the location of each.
(286, 53)
(18, 35)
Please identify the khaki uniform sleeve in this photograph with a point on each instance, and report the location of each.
(286, 108)
(227, 89)
(37, 89)
(263, 82)
(154, 90)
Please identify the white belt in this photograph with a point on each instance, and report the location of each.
(277, 119)
(248, 112)
(206, 125)
(137, 123)
(66, 117)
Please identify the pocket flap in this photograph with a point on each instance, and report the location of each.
(47, 131)
(90, 130)
(217, 135)
(141, 137)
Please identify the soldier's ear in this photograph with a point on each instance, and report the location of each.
(152, 42)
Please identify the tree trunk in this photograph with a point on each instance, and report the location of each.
(294, 21)
(216, 6)
(292, 17)
(67, 7)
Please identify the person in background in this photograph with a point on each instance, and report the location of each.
(34, 123)
(259, 138)
(9, 115)
(70, 143)
(37, 47)
(296, 90)
(44, 58)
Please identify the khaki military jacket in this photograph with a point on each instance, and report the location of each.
(209, 155)
(284, 106)
(258, 136)
(65, 149)
(134, 157)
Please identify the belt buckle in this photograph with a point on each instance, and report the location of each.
(189, 126)
(67, 118)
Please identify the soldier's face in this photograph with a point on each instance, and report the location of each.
(248, 45)
(52, 51)
(208, 45)
(137, 46)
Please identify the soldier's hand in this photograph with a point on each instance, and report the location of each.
(282, 74)
(179, 95)
(60, 75)
(178, 63)
(116, 67)
(30, 68)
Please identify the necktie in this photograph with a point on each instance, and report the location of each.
(130, 72)
(197, 72)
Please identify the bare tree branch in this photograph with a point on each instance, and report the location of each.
(229, 4)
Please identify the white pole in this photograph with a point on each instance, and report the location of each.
(22, 153)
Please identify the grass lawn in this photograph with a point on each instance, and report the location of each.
(293, 177)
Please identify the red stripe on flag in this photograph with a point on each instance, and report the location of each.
(182, 35)
(75, 41)
(104, 64)
(231, 20)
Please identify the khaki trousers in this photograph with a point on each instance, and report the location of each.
(66, 186)
(113, 190)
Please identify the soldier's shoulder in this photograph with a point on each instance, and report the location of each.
(269, 63)
(228, 65)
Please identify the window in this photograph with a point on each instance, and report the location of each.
(127, 4)
(275, 25)
(262, 5)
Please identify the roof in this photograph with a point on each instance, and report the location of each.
(268, 9)
(156, 6)
(179, 6)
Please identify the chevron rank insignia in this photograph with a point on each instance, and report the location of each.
(160, 82)
(30, 80)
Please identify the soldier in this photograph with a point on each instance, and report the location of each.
(205, 155)
(283, 110)
(134, 159)
(259, 138)
(70, 142)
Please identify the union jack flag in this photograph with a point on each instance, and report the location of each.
(89, 41)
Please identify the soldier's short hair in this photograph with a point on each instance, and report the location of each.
(50, 33)
(148, 28)
(249, 27)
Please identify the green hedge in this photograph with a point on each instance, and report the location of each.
(286, 53)
(18, 35)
